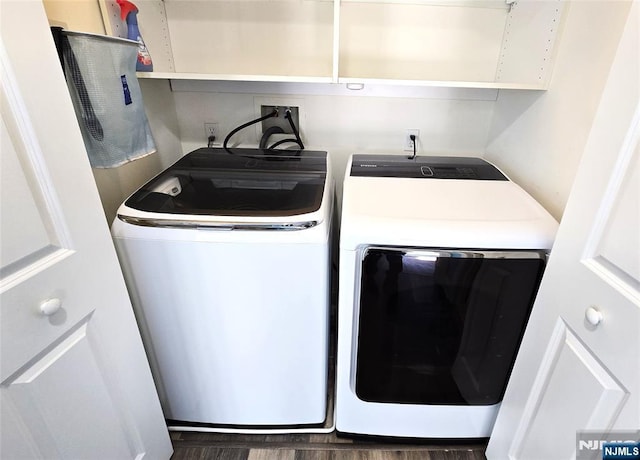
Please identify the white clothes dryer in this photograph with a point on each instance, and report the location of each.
(226, 255)
(440, 261)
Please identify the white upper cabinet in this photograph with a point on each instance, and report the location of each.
(469, 43)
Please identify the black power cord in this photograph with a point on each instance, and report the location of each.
(297, 140)
(413, 141)
(293, 127)
(267, 134)
(273, 113)
(270, 131)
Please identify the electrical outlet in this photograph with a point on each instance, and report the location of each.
(212, 129)
(280, 121)
(408, 143)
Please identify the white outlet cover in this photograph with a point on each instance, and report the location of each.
(407, 141)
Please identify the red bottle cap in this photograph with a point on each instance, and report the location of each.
(126, 7)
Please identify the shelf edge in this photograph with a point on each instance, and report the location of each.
(341, 80)
(232, 77)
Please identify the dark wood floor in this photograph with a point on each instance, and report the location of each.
(205, 446)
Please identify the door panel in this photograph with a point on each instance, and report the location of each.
(31, 234)
(14, 183)
(23, 445)
(595, 397)
(577, 369)
(74, 380)
(613, 251)
(37, 394)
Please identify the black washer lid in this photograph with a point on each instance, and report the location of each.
(424, 167)
(237, 182)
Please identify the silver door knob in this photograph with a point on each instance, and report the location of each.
(593, 316)
(50, 306)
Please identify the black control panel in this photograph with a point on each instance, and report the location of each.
(425, 167)
(236, 159)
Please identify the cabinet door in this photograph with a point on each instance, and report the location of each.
(577, 368)
(74, 380)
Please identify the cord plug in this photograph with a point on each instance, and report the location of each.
(413, 142)
(210, 140)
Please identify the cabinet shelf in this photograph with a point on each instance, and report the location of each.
(443, 83)
(328, 80)
(232, 77)
(456, 43)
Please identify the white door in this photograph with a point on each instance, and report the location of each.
(74, 380)
(578, 368)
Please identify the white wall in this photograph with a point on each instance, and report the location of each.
(538, 138)
(81, 15)
(342, 122)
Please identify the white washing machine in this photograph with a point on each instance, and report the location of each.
(226, 255)
(440, 261)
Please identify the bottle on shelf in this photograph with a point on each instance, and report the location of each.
(129, 13)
